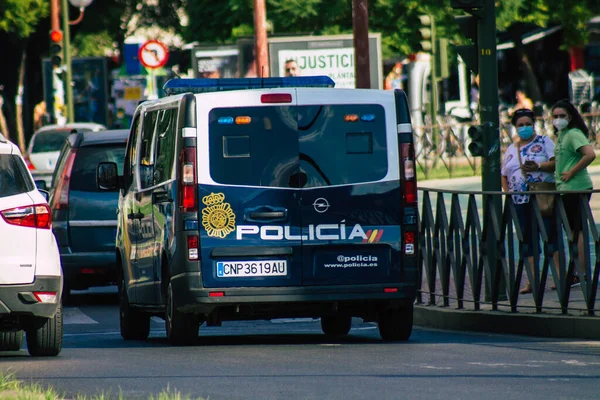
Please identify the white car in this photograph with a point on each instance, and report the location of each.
(44, 147)
(31, 277)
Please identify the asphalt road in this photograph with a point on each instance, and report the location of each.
(292, 359)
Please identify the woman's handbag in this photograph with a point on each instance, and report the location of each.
(545, 201)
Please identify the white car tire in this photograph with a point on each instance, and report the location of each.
(11, 341)
(46, 340)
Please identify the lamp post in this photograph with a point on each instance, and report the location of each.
(81, 4)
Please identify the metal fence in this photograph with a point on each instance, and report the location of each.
(471, 254)
(445, 144)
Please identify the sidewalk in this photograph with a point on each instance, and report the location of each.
(550, 323)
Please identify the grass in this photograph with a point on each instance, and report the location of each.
(13, 389)
(440, 172)
(460, 171)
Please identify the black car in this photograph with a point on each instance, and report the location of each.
(84, 217)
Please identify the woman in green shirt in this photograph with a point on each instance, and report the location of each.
(573, 154)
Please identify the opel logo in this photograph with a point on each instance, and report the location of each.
(321, 205)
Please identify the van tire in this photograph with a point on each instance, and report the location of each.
(46, 340)
(134, 324)
(11, 341)
(336, 326)
(182, 328)
(395, 324)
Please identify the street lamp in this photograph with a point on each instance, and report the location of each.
(81, 4)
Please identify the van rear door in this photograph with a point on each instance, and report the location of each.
(351, 201)
(250, 217)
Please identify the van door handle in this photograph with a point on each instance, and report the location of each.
(137, 215)
(161, 197)
(267, 214)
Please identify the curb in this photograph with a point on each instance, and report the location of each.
(541, 325)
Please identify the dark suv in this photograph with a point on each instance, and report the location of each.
(84, 218)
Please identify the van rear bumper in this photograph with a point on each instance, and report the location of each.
(82, 270)
(205, 300)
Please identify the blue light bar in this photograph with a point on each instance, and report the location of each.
(204, 85)
(225, 120)
(367, 117)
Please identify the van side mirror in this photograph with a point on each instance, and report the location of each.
(41, 184)
(107, 176)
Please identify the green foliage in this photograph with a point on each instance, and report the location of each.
(92, 44)
(397, 20)
(20, 17)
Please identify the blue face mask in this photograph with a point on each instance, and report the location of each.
(525, 132)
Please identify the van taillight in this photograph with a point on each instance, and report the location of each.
(60, 200)
(188, 198)
(36, 216)
(409, 243)
(192, 244)
(408, 173)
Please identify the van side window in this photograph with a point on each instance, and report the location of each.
(147, 149)
(165, 145)
(130, 155)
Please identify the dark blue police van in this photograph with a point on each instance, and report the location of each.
(267, 198)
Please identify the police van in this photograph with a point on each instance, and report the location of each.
(245, 199)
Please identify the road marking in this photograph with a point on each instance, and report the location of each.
(293, 320)
(74, 316)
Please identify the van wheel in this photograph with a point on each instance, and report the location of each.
(336, 326)
(47, 339)
(395, 324)
(182, 328)
(134, 324)
(11, 341)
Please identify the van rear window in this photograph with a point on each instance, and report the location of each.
(272, 146)
(83, 175)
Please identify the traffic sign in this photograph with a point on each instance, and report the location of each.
(153, 54)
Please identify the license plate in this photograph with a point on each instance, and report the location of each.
(242, 269)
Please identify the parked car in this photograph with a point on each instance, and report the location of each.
(85, 219)
(30, 272)
(44, 147)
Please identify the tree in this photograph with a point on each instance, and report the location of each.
(18, 21)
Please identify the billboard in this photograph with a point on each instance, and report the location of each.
(326, 55)
(90, 90)
(215, 61)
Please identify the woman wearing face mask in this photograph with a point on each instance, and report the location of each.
(531, 159)
(573, 155)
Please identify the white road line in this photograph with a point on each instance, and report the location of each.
(74, 316)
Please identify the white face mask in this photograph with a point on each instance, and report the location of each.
(560, 123)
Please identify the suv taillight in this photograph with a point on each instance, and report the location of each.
(35, 216)
(60, 200)
(409, 176)
(188, 198)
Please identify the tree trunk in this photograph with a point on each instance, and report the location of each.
(3, 125)
(19, 100)
(532, 88)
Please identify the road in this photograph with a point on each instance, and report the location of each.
(292, 359)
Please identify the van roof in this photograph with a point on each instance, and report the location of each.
(95, 138)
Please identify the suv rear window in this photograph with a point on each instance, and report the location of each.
(49, 141)
(83, 174)
(272, 146)
(14, 178)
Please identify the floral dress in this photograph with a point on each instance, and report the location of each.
(539, 150)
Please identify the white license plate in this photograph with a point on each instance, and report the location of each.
(241, 269)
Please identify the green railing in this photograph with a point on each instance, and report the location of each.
(471, 245)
